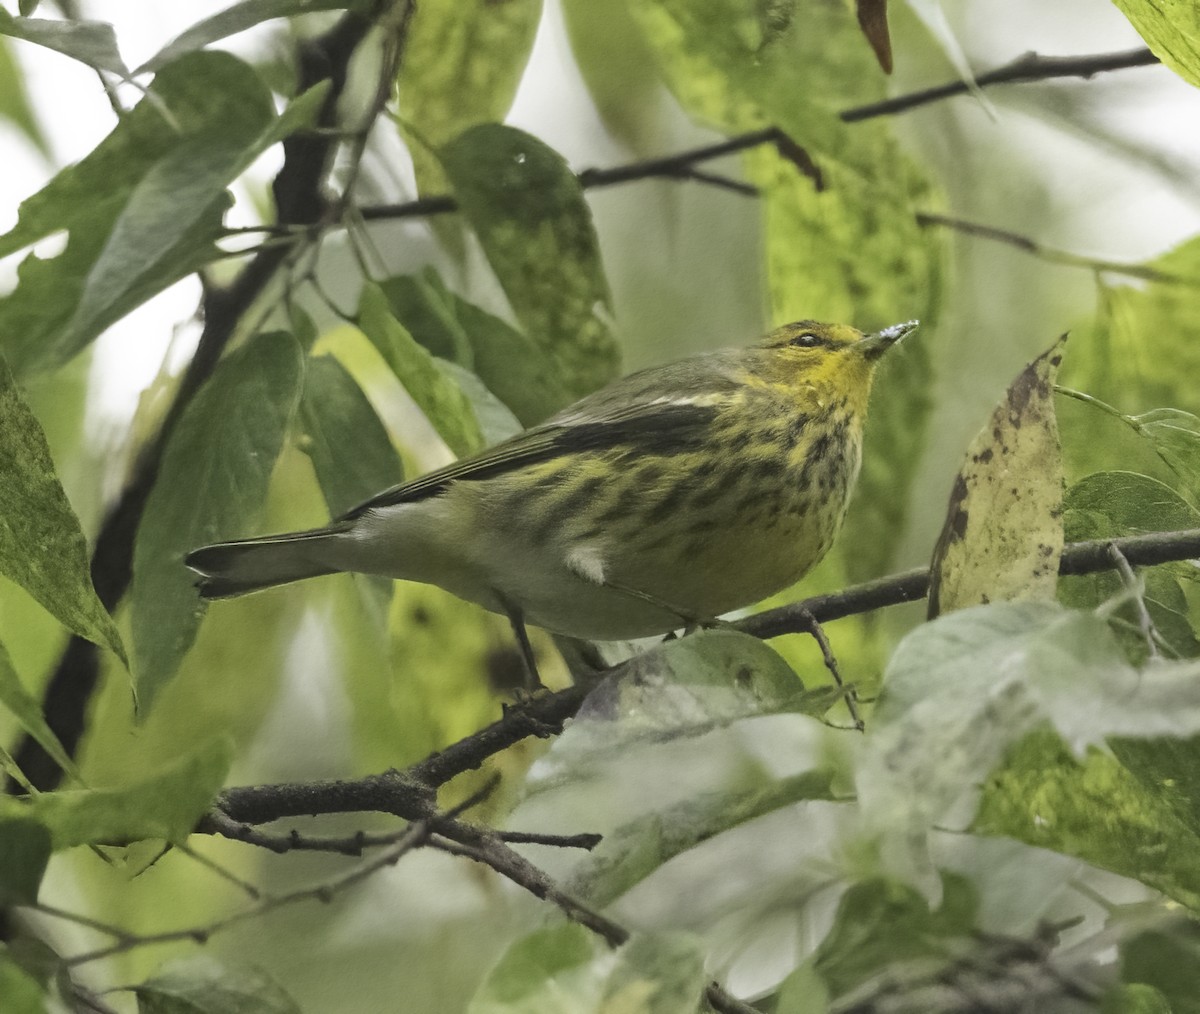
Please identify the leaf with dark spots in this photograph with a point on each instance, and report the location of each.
(1011, 546)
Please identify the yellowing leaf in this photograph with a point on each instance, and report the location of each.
(1171, 29)
(1003, 534)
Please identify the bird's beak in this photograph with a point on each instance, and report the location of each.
(873, 346)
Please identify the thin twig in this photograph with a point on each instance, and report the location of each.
(850, 695)
(913, 585)
(414, 837)
(726, 1003)
(1145, 624)
(1052, 254)
(1024, 69)
(492, 852)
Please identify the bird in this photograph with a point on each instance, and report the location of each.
(672, 496)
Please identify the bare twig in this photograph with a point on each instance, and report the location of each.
(414, 837)
(851, 695)
(1052, 254)
(490, 851)
(1145, 624)
(912, 585)
(1024, 69)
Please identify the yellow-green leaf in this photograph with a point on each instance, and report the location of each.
(528, 210)
(28, 713)
(166, 805)
(432, 387)
(463, 60)
(1171, 29)
(41, 545)
(1003, 534)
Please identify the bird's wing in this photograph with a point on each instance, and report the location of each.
(657, 409)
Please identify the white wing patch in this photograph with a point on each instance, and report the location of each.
(587, 561)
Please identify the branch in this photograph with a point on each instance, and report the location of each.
(410, 794)
(1052, 254)
(123, 940)
(681, 165)
(913, 585)
(1022, 70)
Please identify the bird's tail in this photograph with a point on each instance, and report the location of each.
(235, 568)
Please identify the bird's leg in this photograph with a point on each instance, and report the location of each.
(516, 618)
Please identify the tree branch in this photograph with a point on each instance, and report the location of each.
(1024, 69)
(1052, 254)
(913, 585)
(411, 794)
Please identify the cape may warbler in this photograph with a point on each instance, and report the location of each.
(672, 496)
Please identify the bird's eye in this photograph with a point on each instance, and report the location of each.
(806, 340)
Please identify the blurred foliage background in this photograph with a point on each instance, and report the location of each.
(401, 339)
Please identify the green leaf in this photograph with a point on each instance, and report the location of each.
(1136, 998)
(462, 63)
(519, 373)
(41, 545)
(539, 969)
(1171, 29)
(1169, 961)
(1094, 809)
(234, 19)
(14, 100)
(211, 486)
(24, 853)
(656, 973)
(9, 766)
(683, 688)
(1003, 533)
(1125, 503)
(631, 853)
(90, 42)
(1175, 436)
(743, 63)
(434, 390)
(1138, 354)
(1108, 505)
(143, 209)
(164, 806)
(971, 684)
(565, 968)
(880, 923)
(619, 69)
(344, 438)
(20, 992)
(530, 215)
(202, 985)
(28, 713)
